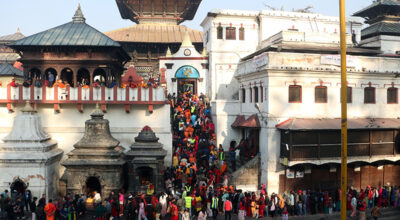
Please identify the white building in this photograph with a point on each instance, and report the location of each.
(230, 35)
(185, 69)
(277, 53)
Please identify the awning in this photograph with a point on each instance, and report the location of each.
(251, 122)
(334, 124)
(239, 119)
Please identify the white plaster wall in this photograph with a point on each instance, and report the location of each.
(224, 114)
(67, 127)
(224, 55)
(387, 44)
(35, 174)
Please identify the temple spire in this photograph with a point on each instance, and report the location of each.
(169, 53)
(186, 40)
(78, 17)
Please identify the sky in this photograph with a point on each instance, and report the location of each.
(33, 16)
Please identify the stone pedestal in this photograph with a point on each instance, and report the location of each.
(29, 158)
(145, 161)
(97, 161)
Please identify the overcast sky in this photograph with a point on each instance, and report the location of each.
(33, 16)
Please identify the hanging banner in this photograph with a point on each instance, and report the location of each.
(261, 60)
(289, 174)
(336, 60)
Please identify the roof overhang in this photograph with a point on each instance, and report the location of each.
(301, 124)
(251, 122)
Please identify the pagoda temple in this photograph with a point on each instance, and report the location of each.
(75, 53)
(157, 30)
(383, 32)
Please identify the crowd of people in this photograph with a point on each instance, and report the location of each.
(197, 184)
(195, 203)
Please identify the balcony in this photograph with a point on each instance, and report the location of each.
(92, 95)
(322, 146)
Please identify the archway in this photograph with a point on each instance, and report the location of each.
(17, 187)
(51, 75)
(100, 76)
(187, 79)
(92, 184)
(83, 77)
(145, 175)
(67, 76)
(34, 74)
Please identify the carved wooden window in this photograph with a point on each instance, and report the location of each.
(392, 95)
(241, 33)
(369, 95)
(255, 94)
(220, 32)
(294, 94)
(231, 33)
(321, 94)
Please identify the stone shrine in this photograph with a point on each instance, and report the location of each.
(145, 161)
(29, 158)
(96, 163)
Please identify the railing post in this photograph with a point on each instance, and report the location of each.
(151, 93)
(115, 98)
(139, 93)
(44, 97)
(319, 146)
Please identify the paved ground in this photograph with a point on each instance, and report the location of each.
(387, 214)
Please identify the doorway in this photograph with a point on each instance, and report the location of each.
(185, 85)
(92, 184)
(145, 175)
(17, 187)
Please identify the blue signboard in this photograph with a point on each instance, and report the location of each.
(187, 72)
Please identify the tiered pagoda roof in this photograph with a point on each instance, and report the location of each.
(171, 11)
(379, 8)
(383, 17)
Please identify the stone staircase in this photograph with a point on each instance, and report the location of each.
(246, 176)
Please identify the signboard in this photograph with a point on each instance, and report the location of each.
(261, 60)
(187, 72)
(299, 174)
(335, 60)
(289, 174)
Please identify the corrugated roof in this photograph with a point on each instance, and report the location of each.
(387, 4)
(334, 124)
(9, 70)
(75, 33)
(155, 33)
(12, 37)
(69, 34)
(9, 57)
(239, 119)
(390, 28)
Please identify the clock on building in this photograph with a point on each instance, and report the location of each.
(187, 52)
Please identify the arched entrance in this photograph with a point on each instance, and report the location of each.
(83, 77)
(187, 77)
(145, 176)
(100, 76)
(92, 184)
(67, 76)
(50, 75)
(34, 74)
(17, 187)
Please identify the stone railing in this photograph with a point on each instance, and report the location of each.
(92, 95)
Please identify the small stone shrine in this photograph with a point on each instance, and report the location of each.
(96, 163)
(29, 158)
(145, 160)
